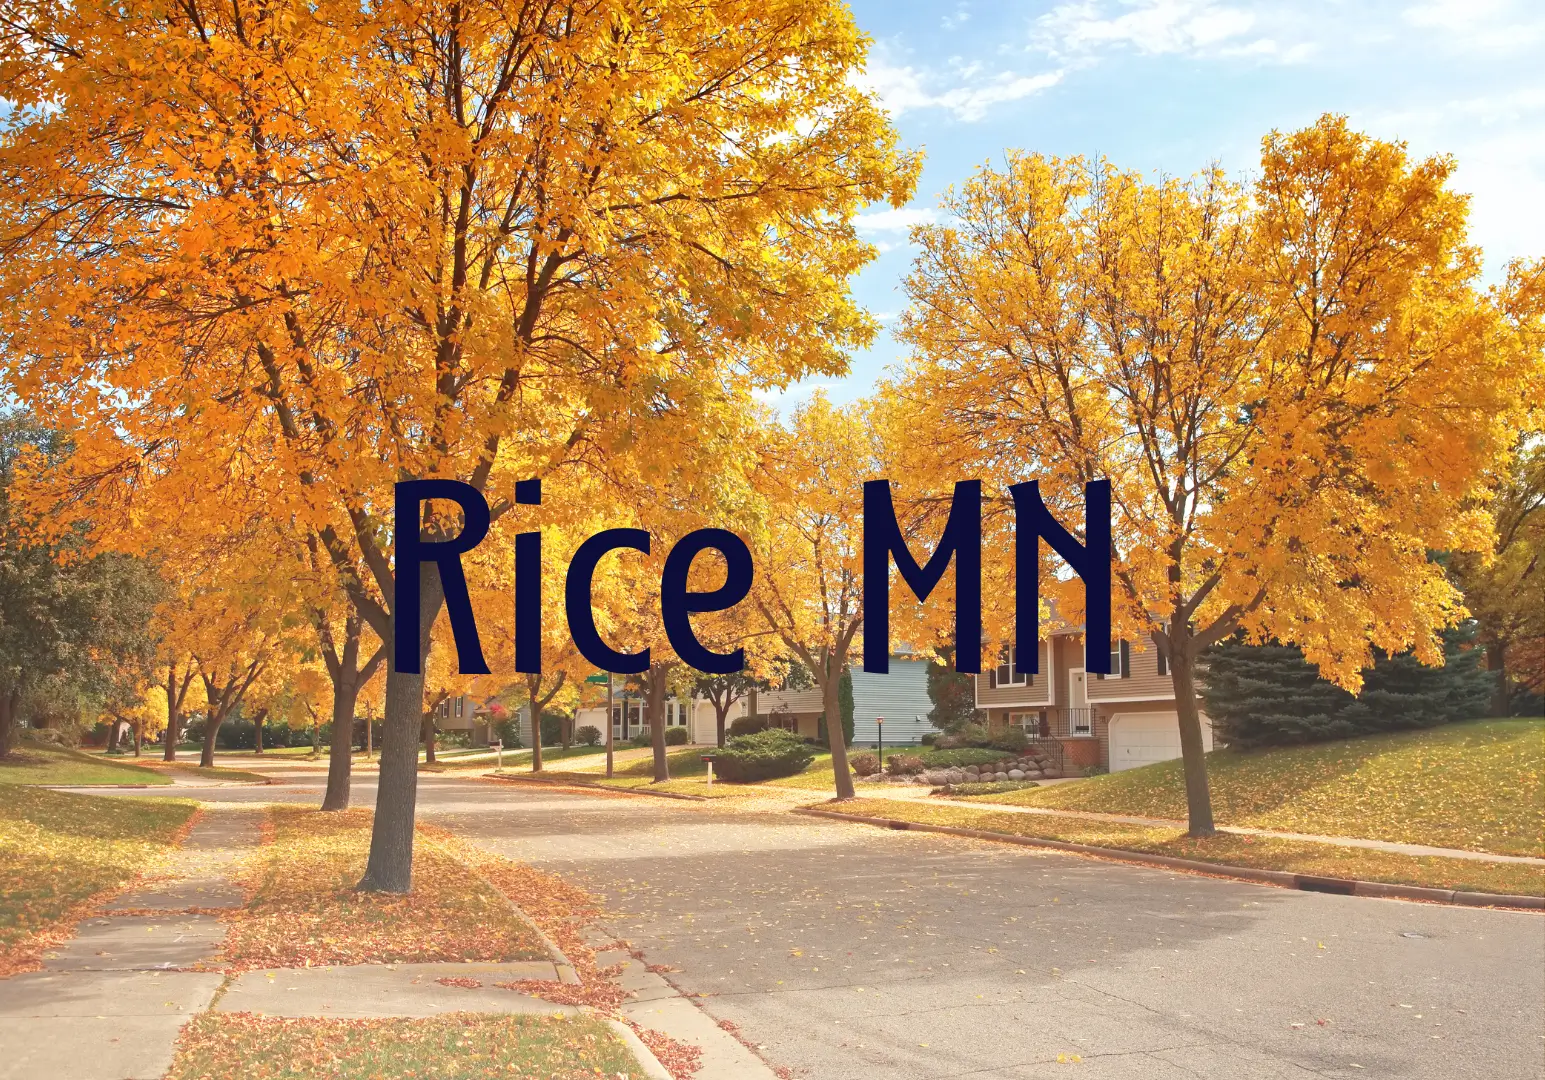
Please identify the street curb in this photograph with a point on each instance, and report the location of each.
(651, 1064)
(595, 787)
(1279, 878)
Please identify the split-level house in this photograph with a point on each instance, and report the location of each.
(1119, 721)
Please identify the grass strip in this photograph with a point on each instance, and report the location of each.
(59, 851)
(303, 909)
(1225, 849)
(1477, 786)
(32, 764)
(459, 1046)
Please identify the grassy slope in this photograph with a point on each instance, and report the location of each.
(462, 1046)
(31, 763)
(1479, 786)
(58, 848)
(1325, 860)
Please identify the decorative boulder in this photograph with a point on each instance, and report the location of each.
(1016, 774)
(938, 777)
(1000, 776)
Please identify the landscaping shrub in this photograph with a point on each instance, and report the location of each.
(969, 735)
(904, 765)
(747, 725)
(639, 740)
(677, 736)
(864, 764)
(992, 787)
(508, 731)
(589, 735)
(1014, 740)
(762, 755)
(928, 739)
(945, 759)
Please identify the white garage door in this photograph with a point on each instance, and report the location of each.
(1138, 739)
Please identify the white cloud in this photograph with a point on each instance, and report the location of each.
(895, 220)
(1498, 143)
(1244, 28)
(903, 88)
(1488, 25)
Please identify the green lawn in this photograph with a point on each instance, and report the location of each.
(57, 849)
(1227, 849)
(33, 763)
(1478, 786)
(461, 1046)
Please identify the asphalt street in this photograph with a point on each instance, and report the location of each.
(845, 952)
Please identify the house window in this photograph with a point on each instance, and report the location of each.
(1035, 724)
(1007, 673)
(1120, 660)
(1162, 662)
(445, 708)
(460, 706)
(676, 713)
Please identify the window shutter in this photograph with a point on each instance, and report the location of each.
(1126, 659)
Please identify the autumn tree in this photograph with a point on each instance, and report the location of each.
(1296, 392)
(344, 246)
(809, 583)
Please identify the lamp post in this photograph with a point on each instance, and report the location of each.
(879, 731)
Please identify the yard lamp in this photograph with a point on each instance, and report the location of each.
(879, 732)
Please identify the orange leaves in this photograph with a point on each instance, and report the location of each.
(304, 910)
(1296, 394)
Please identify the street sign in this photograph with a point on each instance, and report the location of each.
(600, 678)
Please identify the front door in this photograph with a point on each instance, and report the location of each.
(1079, 721)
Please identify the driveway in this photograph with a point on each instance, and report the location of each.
(844, 951)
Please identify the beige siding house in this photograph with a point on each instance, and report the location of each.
(1118, 721)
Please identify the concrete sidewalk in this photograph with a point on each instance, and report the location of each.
(109, 1003)
(914, 794)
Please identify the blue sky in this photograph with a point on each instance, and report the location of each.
(1169, 85)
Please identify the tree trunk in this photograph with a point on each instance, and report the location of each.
(139, 738)
(719, 715)
(390, 868)
(9, 703)
(830, 679)
(566, 726)
(257, 734)
(534, 711)
(1182, 666)
(206, 757)
(427, 736)
(340, 756)
(112, 735)
(1502, 693)
(655, 711)
(173, 733)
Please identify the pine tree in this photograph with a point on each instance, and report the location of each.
(952, 694)
(1268, 695)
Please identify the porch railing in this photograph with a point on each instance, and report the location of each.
(1080, 721)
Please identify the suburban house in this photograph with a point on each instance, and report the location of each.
(1119, 721)
(899, 698)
